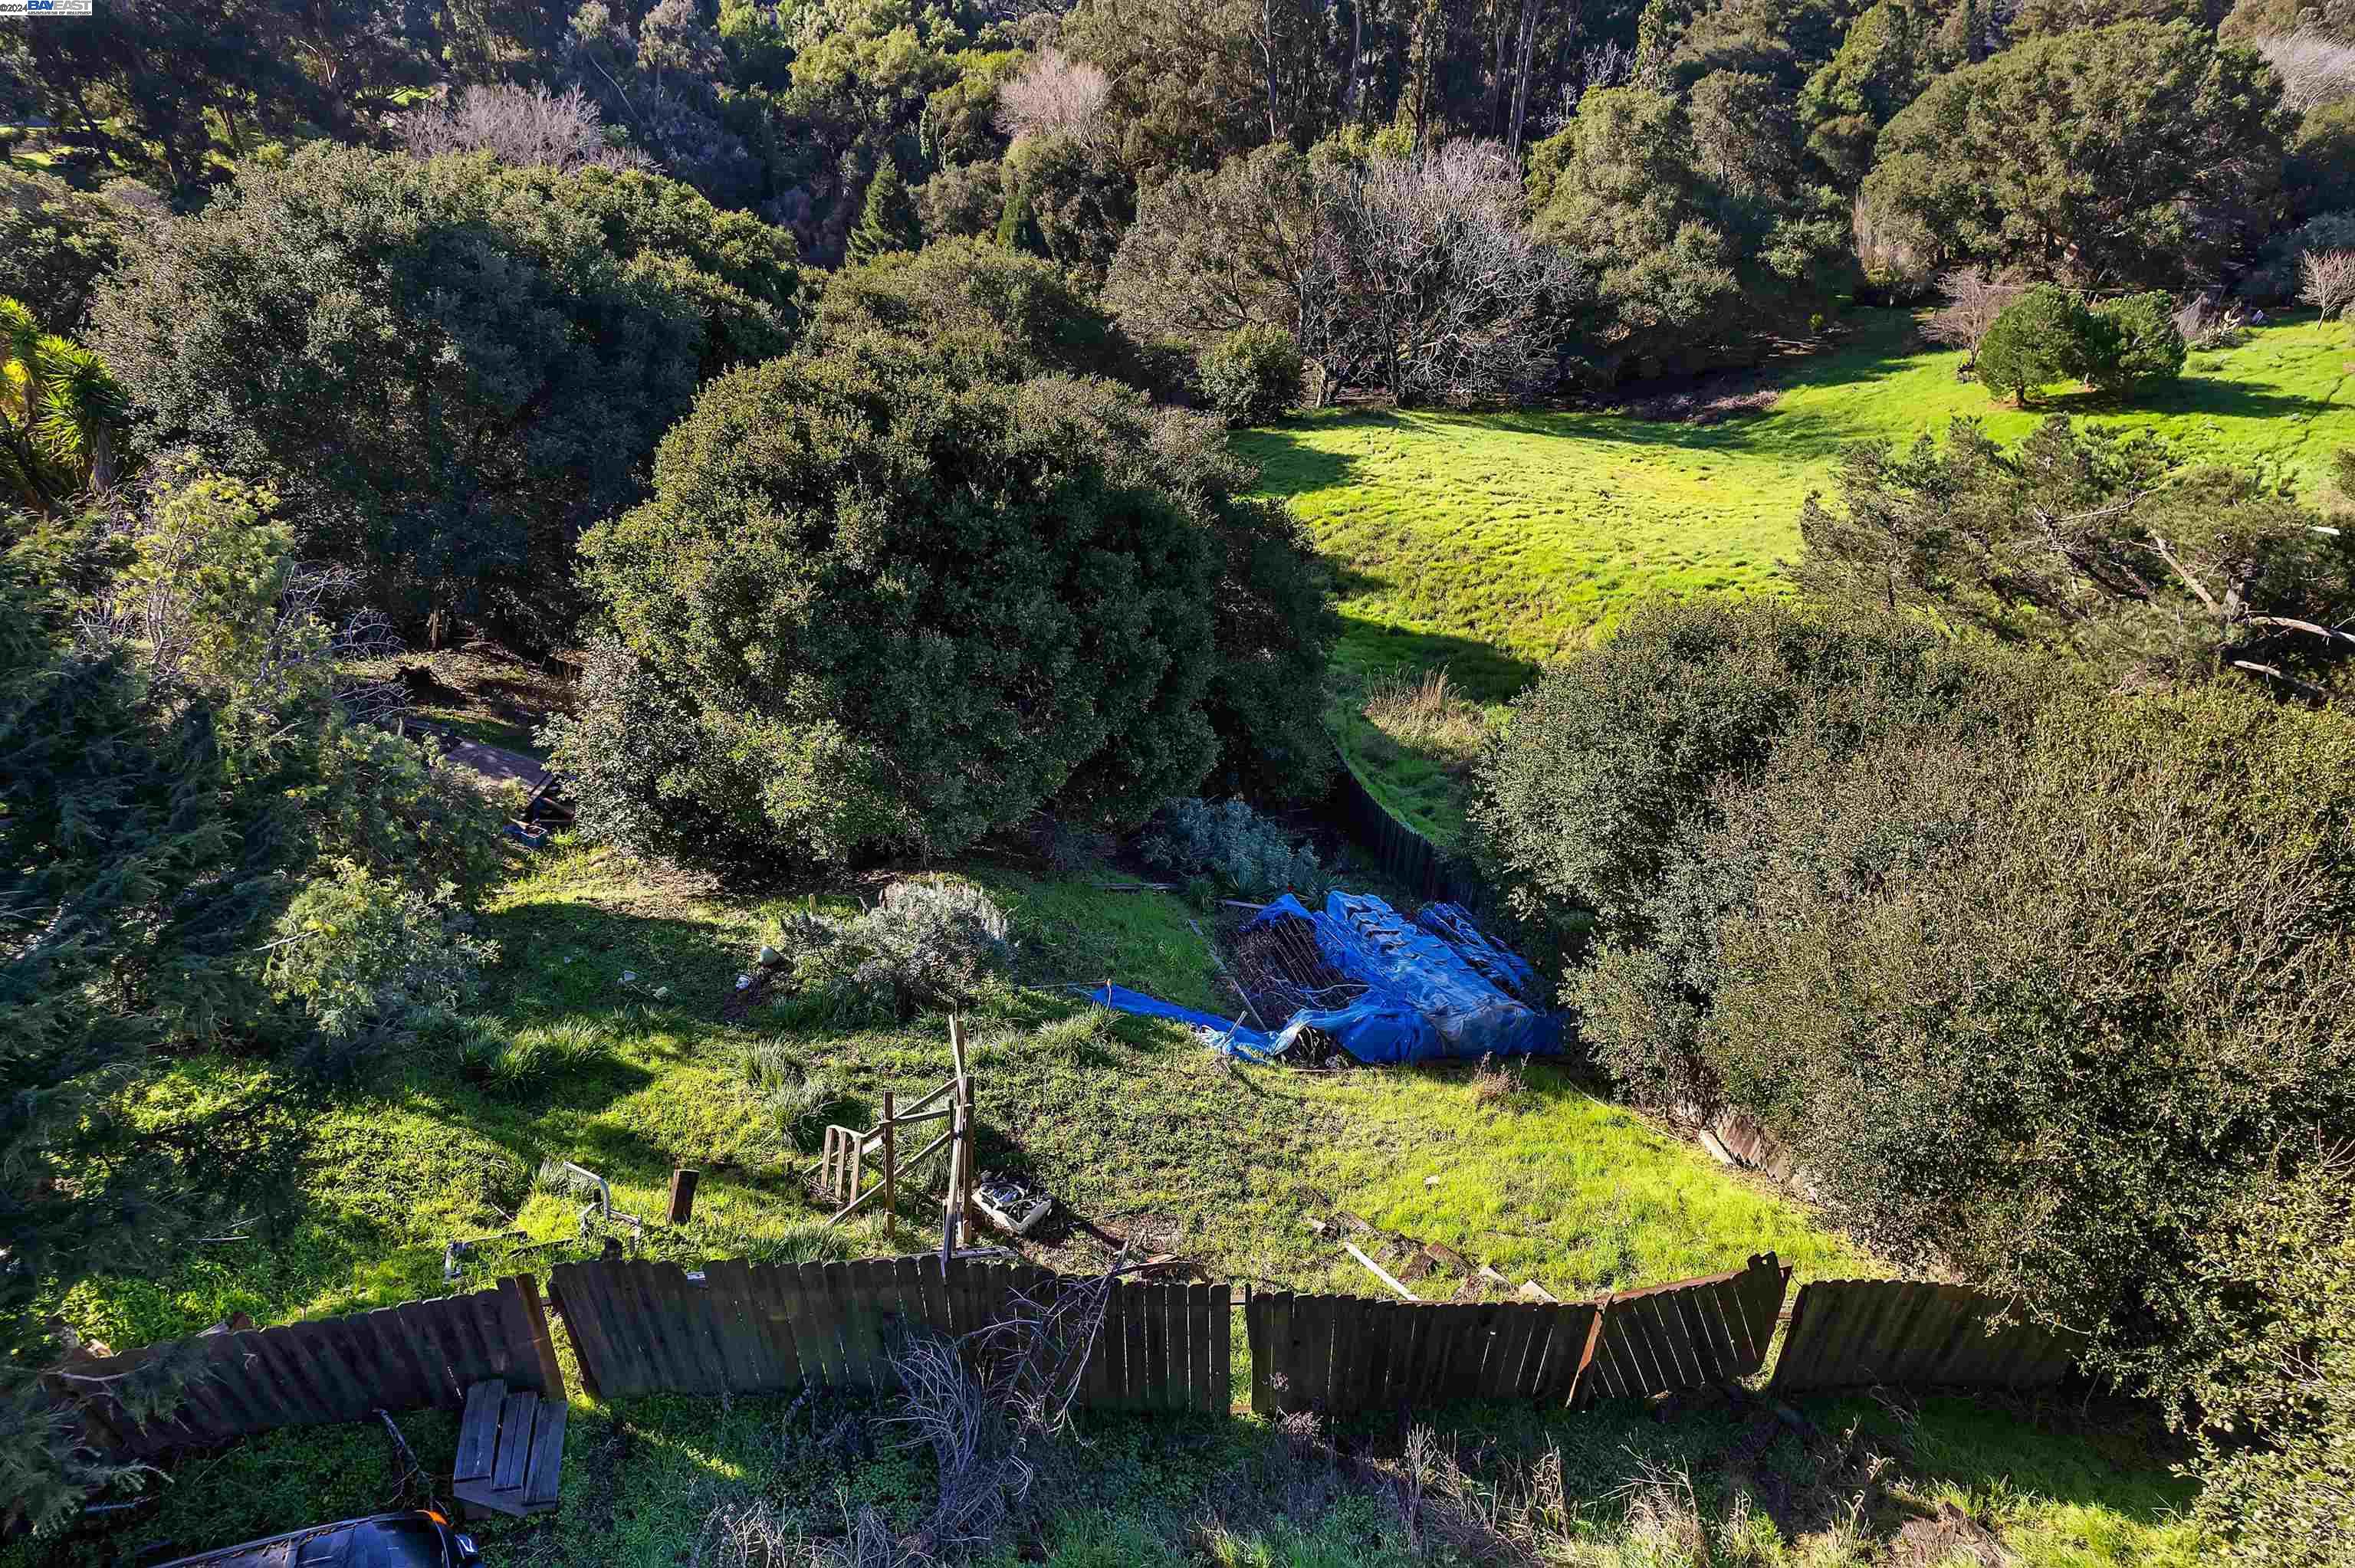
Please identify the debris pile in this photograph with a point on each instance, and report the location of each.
(1359, 979)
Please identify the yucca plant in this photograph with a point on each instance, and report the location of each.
(60, 413)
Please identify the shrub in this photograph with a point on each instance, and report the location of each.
(999, 313)
(363, 955)
(929, 944)
(2277, 275)
(1244, 850)
(2039, 338)
(2138, 347)
(1614, 758)
(2048, 1008)
(893, 608)
(1252, 375)
(469, 365)
(2277, 1387)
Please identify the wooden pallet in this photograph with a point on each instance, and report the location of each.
(510, 1451)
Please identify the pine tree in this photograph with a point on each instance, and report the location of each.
(889, 222)
(1018, 225)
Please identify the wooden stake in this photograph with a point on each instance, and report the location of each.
(965, 1188)
(890, 1172)
(682, 1193)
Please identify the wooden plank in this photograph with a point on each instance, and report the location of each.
(909, 1320)
(708, 1320)
(478, 1427)
(517, 1413)
(744, 1347)
(636, 1367)
(580, 1304)
(485, 1314)
(1257, 1315)
(854, 1325)
(1343, 1359)
(1372, 1390)
(938, 1318)
(398, 1360)
(1507, 1373)
(800, 1293)
(769, 1290)
(876, 1293)
(1206, 1349)
(306, 1357)
(543, 1476)
(1284, 1355)
(1136, 1387)
(1222, 1388)
(415, 1321)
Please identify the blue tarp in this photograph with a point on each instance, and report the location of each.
(1428, 988)
(1502, 967)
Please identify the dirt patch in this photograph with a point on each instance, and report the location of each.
(1708, 402)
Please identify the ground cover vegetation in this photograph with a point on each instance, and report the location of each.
(821, 380)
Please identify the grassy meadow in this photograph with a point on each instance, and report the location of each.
(1488, 543)
(603, 1042)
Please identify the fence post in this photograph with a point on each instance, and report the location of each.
(890, 1173)
(683, 1179)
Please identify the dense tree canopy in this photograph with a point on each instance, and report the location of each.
(2130, 155)
(2093, 544)
(471, 367)
(876, 605)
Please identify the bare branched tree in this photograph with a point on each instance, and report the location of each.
(1445, 296)
(1974, 301)
(2327, 281)
(2314, 69)
(527, 127)
(1055, 93)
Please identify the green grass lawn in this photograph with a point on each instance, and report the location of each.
(1489, 544)
(1141, 1133)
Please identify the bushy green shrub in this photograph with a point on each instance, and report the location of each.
(363, 954)
(1613, 759)
(1252, 375)
(1244, 852)
(999, 313)
(2274, 278)
(2139, 346)
(931, 944)
(2120, 346)
(2039, 338)
(2277, 1386)
(878, 605)
(2048, 1009)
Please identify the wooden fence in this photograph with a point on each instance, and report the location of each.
(643, 1327)
(1686, 1335)
(1856, 1333)
(1339, 1354)
(1400, 850)
(1344, 1353)
(739, 1328)
(329, 1369)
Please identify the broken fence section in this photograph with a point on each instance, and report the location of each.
(1337, 1355)
(1687, 1335)
(1858, 1333)
(739, 1328)
(420, 1354)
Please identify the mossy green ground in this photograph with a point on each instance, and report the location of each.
(1140, 1132)
(1492, 543)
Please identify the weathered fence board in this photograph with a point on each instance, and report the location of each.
(647, 1327)
(1856, 1333)
(330, 1370)
(1337, 1355)
(1399, 850)
(1686, 1335)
